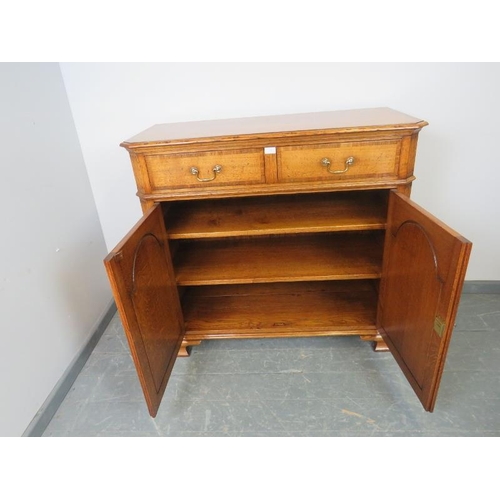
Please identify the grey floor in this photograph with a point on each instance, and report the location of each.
(292, 387)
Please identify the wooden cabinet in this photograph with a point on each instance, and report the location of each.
(280, 226)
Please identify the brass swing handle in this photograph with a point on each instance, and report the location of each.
(326, 162)
(216, 170)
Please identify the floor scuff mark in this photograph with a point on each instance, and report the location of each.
(357, 415)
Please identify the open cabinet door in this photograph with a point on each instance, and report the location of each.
(422, 276)
(142, 279)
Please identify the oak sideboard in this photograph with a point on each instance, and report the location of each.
(285, 226)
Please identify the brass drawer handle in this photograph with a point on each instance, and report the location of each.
(326, 162)
(216, 170)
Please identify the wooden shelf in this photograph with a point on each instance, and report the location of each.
(280, 309)
(307, 257)
(310, 213)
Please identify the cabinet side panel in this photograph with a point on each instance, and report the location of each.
(141, 179)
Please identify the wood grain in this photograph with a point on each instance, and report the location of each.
(277, 259)
(423, 273)
(308, 213)
(368, 120)
(230, 191)
(371, 159)
(280, 309)
(174, 171)
(142, 279)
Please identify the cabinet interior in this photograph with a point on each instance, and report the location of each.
(278, 265)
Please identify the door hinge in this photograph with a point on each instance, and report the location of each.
(439, 325)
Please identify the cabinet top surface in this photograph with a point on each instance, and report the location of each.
(262, 126)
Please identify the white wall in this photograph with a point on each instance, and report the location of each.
(457, 162)
(53, 289)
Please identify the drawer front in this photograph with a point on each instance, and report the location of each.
(338, 161)
(205, 170)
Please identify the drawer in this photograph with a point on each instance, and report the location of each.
(204, 170)
(335, 161)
